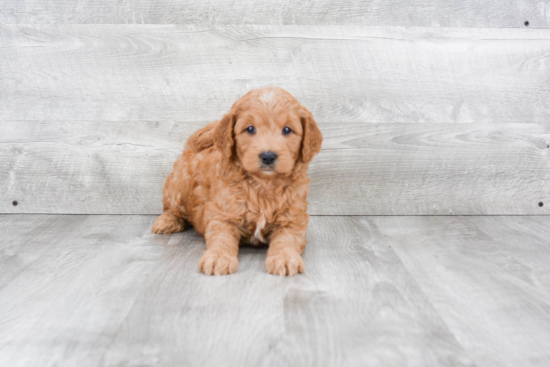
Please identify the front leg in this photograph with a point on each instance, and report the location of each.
(222, 248)
(285, 247)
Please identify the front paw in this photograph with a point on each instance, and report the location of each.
(285, 262)
(216, 262)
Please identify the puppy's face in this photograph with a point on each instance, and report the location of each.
(268, 139)
(268, 131)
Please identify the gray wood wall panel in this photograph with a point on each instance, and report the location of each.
(345, 74)
(426, 13)
(364, 169)
(486, 276)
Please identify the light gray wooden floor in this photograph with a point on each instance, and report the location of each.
(93, 290)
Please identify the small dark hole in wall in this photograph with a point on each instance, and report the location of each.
(541, 204)
(14, 203)
(526, 23)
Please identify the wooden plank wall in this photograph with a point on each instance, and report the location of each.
(421, 13)
(440, 108)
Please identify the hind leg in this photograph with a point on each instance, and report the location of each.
(168, 223)
(174, 193)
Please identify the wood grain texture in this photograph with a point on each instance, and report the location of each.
(341, 73)
(392, 291)
(65, 306)
(488, 277)
(433, 13)
(26, 238)
(110, 167)
(115, 295)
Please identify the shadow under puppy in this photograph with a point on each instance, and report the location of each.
(243, 179)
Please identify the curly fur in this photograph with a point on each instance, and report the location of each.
(220, 186)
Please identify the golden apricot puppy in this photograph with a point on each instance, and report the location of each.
(243, 179)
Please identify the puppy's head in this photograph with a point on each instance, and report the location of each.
(268, 132)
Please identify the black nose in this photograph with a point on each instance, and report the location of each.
(268, 158)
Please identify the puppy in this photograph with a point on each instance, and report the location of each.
(243, 180)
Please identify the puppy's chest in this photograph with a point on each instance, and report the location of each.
(259, 224)
(257, 229)
(263, 210)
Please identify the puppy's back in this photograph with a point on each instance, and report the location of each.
(201, 139)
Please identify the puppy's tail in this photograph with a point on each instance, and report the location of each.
(201, 139)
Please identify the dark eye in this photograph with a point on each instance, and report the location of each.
(251, 130)
(286, 130)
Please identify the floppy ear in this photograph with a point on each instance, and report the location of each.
(224, 139)
(311, 138)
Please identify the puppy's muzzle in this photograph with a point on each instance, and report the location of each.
(268, 158)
